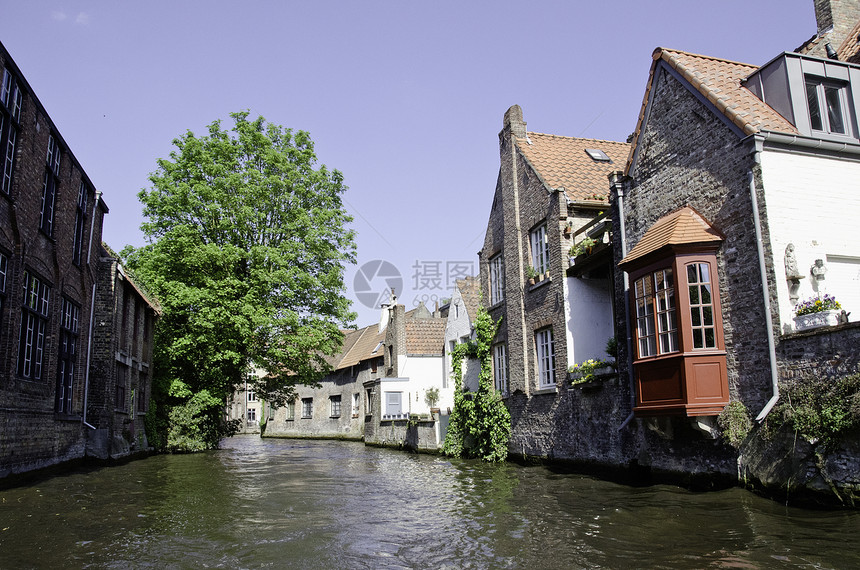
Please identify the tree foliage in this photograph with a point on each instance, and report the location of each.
(247, 243)
(480, 424)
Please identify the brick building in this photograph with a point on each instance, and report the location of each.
(549, 188)
(50, 234)
(52, 289)
(120, 369)
(379, 379)
(738, 201)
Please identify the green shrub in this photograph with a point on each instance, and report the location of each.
(735, 422)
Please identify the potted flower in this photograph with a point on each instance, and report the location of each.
(568, 229)
(431, 398)
(820, 311)
(531, 274)
(583, 247)
(591, 369)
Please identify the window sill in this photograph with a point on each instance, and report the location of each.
(538, 284)
(545, 390)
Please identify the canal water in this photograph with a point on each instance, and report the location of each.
(277, 503)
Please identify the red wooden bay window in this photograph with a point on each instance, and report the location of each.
(679, 360)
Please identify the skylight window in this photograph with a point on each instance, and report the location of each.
(598, 155)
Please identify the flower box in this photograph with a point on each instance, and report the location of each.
(816, 320)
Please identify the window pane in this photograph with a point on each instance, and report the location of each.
(834, 109)
(710, 341)
(694, 294)
(706, 294)
(814, 109)
(696, 316)
(691, 274)
(709, 317)
(697, 338)
(704, 273)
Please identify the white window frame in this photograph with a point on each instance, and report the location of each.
(389, 400)
(497, 279)
(656, 313)
(500, 368)
(356, 404)
(539, 249)
(307, 408)
(545, 350)
(290, 413)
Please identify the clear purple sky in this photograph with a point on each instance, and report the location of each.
(406, 98)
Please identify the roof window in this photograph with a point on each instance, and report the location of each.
(598, 155)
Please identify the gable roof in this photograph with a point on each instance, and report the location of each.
(683, 226)
(359, 346)
(561, 162)
(470, 292)
(425, 336)
(720, 81)
(850, 49)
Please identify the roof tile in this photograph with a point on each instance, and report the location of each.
(682, 226)
(561, 162)
(425, 336)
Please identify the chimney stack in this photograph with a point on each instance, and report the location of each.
(835, 19)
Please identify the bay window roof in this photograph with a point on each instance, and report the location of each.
(684, 226)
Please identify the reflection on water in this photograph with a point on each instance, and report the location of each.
(319, 504)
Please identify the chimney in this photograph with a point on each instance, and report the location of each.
(385, 312)
(513, 123)
(835, 19)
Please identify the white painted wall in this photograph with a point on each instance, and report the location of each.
(458, 325)
(588, 306)
(814, 203)
(419, 374)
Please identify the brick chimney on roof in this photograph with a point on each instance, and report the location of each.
(835, 19)
(513, 123)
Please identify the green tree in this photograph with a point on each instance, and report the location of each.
(480, 424)
(247, 243)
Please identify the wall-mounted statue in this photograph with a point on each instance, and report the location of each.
(792, 274)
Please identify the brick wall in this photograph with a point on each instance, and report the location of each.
(34, 435)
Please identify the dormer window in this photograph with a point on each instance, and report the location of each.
(819, 97)
(827, 102)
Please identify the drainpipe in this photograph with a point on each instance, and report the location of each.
(616, 182)
(771, 345)
(96, 199)
(89, 355)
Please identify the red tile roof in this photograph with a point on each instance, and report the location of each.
(683, 226)
(850, 49)
(719, 81)
(561, 162)
(425, 336)
(470, 292)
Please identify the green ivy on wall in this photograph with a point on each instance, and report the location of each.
(480, 424)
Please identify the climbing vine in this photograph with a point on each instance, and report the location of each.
(480, 424)
(822, 410)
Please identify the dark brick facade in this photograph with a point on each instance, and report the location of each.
(47, 337)
(35, 429)
(120, 375)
